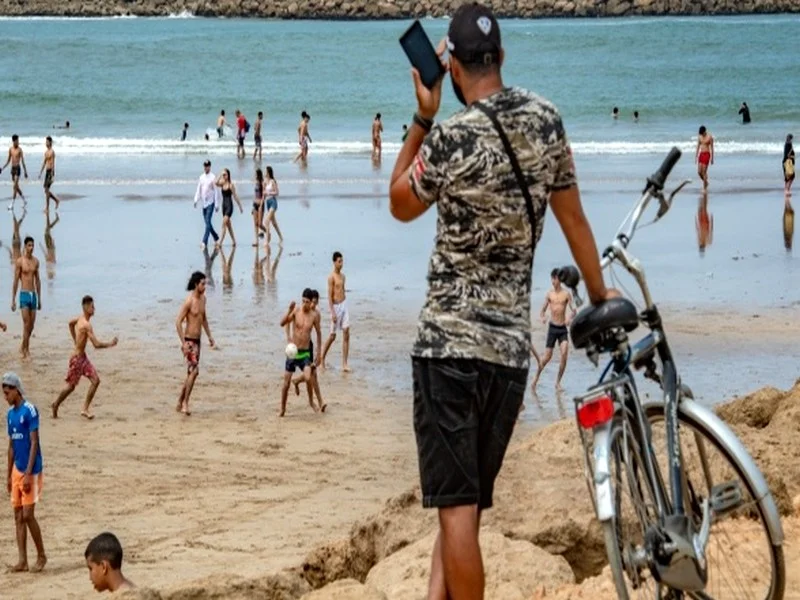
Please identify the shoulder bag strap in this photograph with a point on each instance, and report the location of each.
(514, 165)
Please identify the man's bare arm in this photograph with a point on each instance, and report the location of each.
(289, 316)
(34, 451)
(182, 314)
(22, 160)
(711, 149)
(97, 343)
(44, 162)
(72, 325)
(567, 208)
(543, 312)
(10, 459)
(331, 291)
(572, 309)
(8, 160)
(207, 328)
(38, 282)
(17, 276)
(318, 329)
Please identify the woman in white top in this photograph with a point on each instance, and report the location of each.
(271, 194)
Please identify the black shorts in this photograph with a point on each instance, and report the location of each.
(302, 361)
(227, 207)
(556, 334)
(16, 172)
(241, 141)
(48, 178)
(464, 414)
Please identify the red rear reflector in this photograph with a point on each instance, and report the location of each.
(596, 412)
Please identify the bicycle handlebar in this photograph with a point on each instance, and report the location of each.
(656, 180)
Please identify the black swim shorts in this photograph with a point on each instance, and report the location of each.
(464, 414)
(16, 171)
(556, 334)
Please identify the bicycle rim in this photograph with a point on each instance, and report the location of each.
(743, 563)
(635, 511)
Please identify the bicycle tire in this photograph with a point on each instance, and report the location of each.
(688, 424)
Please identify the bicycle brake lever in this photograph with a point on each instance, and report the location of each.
(674, 193)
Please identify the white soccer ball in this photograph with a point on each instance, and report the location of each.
(291, 351)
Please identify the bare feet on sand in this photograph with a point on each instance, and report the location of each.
(54, 410)
(87, 415)
(18, 568)
(39, 566)
(346, 369)
(296, 387)
(323, 407)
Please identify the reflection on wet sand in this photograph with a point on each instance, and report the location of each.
(272, 273)
(788, 223)
(704, 223)
(227, 266)
(210, 266)
(49, 248)
(16, 241)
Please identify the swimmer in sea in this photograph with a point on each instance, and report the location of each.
(185, 132)
(221, 124)
(377, 130)
(704, 156)
(229, 194)
(788, 165)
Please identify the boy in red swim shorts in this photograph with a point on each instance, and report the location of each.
(79, 364)
(704, 155)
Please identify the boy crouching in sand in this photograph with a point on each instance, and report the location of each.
(104, 561)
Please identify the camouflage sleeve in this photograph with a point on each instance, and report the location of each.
(562, 153)
(429, 169)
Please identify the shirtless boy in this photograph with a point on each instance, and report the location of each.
(26, 271)
(557, 300)
(303, 137)
(377, 130)
(257, 135)
(302, 321)
(191, 322)
(82, 331)
(313, 384)
(340, 317)
(221, 122)
(49, 163)
(104, 560)
(704, 155)
(17, 159)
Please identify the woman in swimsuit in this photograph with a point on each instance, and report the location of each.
(705, 154)
(271, 194)
(788, 164)
(228, 195)
(258, 206)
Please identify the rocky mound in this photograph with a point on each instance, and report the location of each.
(540, 540)
(388, 9)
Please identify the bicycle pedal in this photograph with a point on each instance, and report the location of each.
(726, 497)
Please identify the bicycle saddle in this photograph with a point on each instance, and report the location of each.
(594, 321)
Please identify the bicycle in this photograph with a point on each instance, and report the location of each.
(660, 535)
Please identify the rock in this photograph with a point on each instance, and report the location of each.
(346, 589)
(514, 569)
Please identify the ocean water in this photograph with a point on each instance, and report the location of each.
(128, 85)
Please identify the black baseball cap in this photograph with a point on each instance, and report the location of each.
(474, 35)
(207, 163)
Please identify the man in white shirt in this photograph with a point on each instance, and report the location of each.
(207, 192)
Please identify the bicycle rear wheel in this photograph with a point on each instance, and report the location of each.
(743, 561)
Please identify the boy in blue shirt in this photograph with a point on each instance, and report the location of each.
(24, 470)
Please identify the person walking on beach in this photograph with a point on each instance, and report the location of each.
(377, 130)
(557, 300)
(788, 164)
(302, 321)
(704, 155)
(258, 207)
(745, 112)
(103, 558)
(81, 330)
(221, 123)
(241, 132)
(49, 163)
(26, 273)
(303, 137)
(340, 316)
(229, 194)
(207, 192)
(17, 159)
(24, 471)
(191, 322)
(257, 139)
(472, 352)
(271, 193)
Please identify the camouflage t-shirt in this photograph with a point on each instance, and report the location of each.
(479, 279)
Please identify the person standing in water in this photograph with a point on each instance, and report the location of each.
(303, 137)
(221, 123)
(49, 163)
(17, 159)
(228, 196)
(81, 330)
(788, 164)
(340, 316)
(377, 130)
(745, 112)
(271, 193)
(185, 132)
(26, 272)
(191, 322)
(704, 156)
(257, 139)
(258, 207)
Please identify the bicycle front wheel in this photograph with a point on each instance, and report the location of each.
(743, 560)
